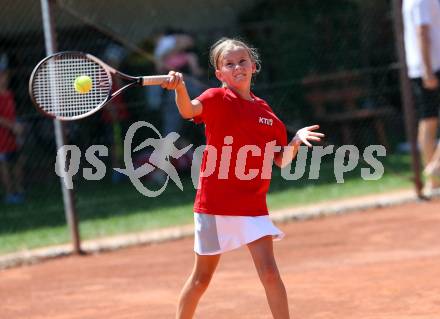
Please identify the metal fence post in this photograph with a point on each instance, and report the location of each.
(407, 97)
(68, 195)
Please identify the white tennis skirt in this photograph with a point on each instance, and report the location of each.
(216, 234)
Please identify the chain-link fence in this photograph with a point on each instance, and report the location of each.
(328, 62)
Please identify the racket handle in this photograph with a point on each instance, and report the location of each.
(154, 79)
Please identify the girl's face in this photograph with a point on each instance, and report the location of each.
(235, 68)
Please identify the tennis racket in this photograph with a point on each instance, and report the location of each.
(52, 90)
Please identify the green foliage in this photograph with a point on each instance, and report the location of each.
(296, 38)
(302, 37)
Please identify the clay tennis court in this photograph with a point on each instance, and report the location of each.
(382, 263)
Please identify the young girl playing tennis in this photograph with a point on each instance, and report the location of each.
(231, 211)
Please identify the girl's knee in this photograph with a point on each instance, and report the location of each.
(201, 281)
(270, 276)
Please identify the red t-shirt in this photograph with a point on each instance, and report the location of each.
(7, 112)
(252, 123)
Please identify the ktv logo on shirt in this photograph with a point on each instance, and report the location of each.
(266, 121)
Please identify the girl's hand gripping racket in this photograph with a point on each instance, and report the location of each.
(73, 85)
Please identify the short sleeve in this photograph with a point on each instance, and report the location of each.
(422, 13)
(281, 137)
(210, 100)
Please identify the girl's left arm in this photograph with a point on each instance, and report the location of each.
(304, 135)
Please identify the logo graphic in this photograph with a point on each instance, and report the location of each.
(164, 148)
(216, 161)
(263, 120)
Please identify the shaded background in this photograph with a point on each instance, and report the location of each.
(305, 46)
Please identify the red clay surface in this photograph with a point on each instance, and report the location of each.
(381, 263)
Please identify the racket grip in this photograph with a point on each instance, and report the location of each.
(154, 79)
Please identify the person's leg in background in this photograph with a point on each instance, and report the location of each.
(427, 136)
(428, 104)
(432, 169)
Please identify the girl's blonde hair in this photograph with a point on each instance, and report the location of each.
(226, 43)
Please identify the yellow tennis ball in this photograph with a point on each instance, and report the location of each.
(83, 84)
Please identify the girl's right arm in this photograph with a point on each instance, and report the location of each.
(188, 108)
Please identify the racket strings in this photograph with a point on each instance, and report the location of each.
(54, 91)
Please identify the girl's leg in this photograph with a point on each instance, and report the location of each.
(262, 254)
(196, 285)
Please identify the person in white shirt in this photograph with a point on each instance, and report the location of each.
(421, 20)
